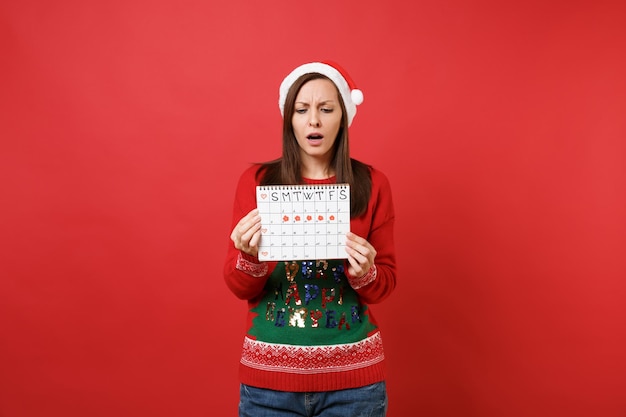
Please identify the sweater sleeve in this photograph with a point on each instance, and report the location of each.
(245, 275)
(380, 281)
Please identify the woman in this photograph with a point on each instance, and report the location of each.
(313, 347)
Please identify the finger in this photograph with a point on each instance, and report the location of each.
(356, 255)
(354, 268)
(247, 236)
(363, 253)
(246, 223)
(352, 263)
(353, 237)
(251, 214)
(358, 243)
(358, 261)
(248, 217)
(249, 221)
(256, 237)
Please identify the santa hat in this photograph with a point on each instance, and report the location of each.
(351, 96)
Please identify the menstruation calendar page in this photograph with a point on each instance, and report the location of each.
(303, 221)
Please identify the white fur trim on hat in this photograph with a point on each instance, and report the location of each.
(350, 95)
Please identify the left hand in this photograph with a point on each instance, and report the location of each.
(361, 255)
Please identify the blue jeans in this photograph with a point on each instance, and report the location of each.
(368, 401)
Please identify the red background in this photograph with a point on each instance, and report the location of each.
(125, 125)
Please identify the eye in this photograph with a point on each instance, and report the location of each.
(327, 109)
(301, 111)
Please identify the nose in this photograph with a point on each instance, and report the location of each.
(314, 120)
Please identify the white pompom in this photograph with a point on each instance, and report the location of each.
(357, 96)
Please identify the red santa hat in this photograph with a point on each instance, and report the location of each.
(351, 95)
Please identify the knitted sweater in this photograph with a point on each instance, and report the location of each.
(310, 327)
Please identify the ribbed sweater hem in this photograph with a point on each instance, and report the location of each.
(328, 381)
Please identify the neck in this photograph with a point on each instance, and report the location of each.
(316, 170)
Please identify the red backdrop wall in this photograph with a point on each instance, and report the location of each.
(125, 125)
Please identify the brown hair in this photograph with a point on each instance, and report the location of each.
(288, 170)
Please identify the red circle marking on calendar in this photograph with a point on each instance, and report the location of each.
(320, 217)
(309, 218)
(297, 218)
(285, 218)
(332, 217)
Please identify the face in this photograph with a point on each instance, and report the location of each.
(317, 119)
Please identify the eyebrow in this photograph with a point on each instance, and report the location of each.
(320, 103)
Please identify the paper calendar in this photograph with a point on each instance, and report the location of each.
(303, 221)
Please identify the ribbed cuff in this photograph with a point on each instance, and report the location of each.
(361, 282)
(251, 265)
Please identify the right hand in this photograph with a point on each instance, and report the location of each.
(247, 233)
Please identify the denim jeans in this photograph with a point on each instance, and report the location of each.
(368, 401)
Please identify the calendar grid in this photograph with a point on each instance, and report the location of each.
(300, 222)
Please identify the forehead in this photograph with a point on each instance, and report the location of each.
(319, 88)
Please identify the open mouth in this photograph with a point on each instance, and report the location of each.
(315, 136)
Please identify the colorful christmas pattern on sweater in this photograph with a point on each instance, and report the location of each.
(310, 320)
